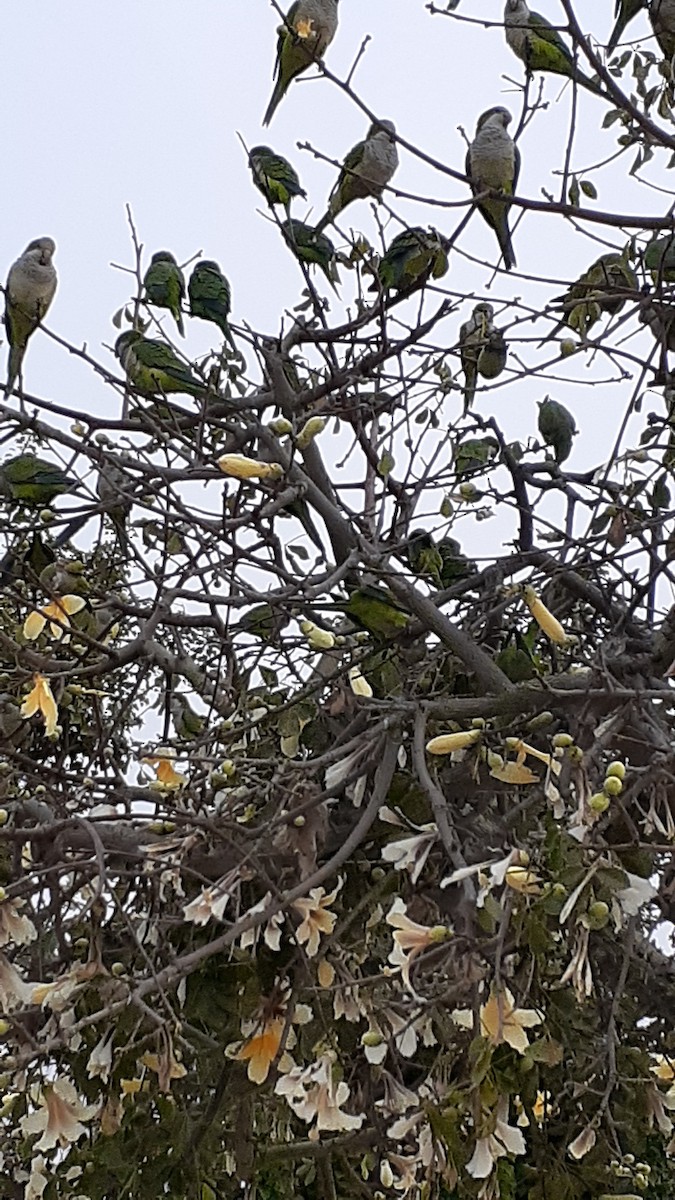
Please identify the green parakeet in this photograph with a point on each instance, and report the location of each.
(312, 248)
(165, 285)
(152, 367)
(659, 258)
(264, 621)
(603, 288)
(455, 564)
(210, 295)
(412, 258)
(662, 17)
(624, 11)
(33, 481)
(275, 177)
(374, 609)
(482, 349)
(29, 291)
(366, 170)
(424, 557)
(304, 37)
(557, 428)
(187, 723)
(493, 163)
(539, 45)
(661, 320)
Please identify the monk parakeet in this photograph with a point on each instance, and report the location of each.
(366, 170)
(455, 564)
(113, 490)
(539, 46)
(662, 17)
(482, 349)
(264, 621)
(33, 481)
(557, 428)
(412, 258)
(493, 163)
(659, 258)
(424, 557)
(275, 177)
(661, 320)
(165, 285)
(624, 11)
(29, 291)
(374, 609)
(187, 723)
(152, 367)
(312, 247)
(210, 295)
(603, 288)
(304, 37)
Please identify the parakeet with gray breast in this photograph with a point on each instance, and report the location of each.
(662, 17)
(165, 285)
(153, 367)
(538, 44)
(367, 169)
(29, 291)
(493, 163)
(482, 348)
(303, 37)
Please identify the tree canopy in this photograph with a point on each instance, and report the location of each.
(336, 718)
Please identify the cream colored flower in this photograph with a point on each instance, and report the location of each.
(663, 1068)
(449, 743)
(15, 992)
(505, 1139)
(520, 879)
(241, 467)
(316, 918)
(13, 927)
(579, 968)
(409, 853)
(501, 1021)
(165, 1065)
(584, 1142)
(57, 613)
(359, 684)
(260, 1050)
(38, 1178)
(59, 1117)
(315, 1096)
(272, 931)
(41, 699)
(548, 624)
(99, 1063)
(410, 938)
(211, 902)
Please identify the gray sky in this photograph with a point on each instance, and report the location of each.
(116, 102)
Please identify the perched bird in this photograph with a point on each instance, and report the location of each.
(374, 609)
(661, 320)
(624, 11)
(187, 723)
(274, 176)
(557, 427)
(603, 288)
(659, 258)
(113, 490)
(412, 258)
(455, 564)
(662, 17)
(303, 37)
(264, 621)
(210, 295)
(33, 481)
(493, 163)
(312, 248)
(482, 349)
(29, 291)
(165, 285)
(152, 367)
(424, 557)
(366, 170)
(539, 46)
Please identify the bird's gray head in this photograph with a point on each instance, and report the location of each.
(484, 310)
(495, 116)
(125, 340)
(515, 6)
(42, 250)
(382, 127)
(207, 264)
(163, 256)
(261, 152)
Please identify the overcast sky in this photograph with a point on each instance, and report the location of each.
(117, 102)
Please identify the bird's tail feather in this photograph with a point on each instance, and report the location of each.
(16, 354)
(277, 97)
